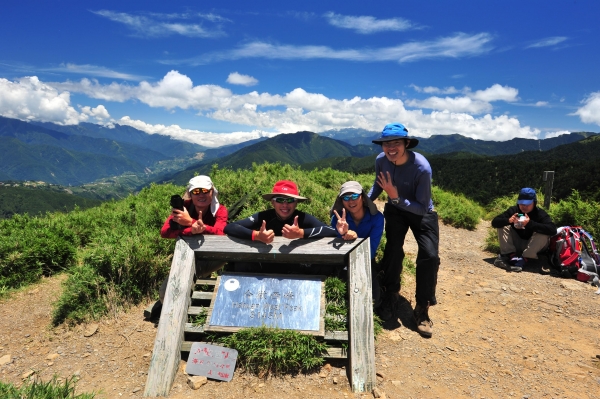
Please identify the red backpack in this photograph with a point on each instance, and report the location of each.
(573, 253)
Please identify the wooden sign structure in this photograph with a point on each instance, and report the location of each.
(356, 255)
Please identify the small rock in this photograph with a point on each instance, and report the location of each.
(85, 355)
(378, 393)
(77, 373)
(261, 385)
(335, 380)
(28, 374)
(52, 356)
(90, 330)
(450, 348)
(6, 359)
(327, 367)
(397, 383)
(136, 389)
(196, 381)
(49, 364)
(147, 354)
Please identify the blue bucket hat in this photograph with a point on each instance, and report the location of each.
(526, 196)
(396, 131)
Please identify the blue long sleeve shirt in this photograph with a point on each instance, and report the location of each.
(370, 226)
(412, 180)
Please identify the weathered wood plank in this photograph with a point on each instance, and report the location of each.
(317, 251)
(169, 335)
(206, 281)
(202, 296)
(332, 352)
(362, 340)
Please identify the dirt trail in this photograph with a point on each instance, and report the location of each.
(496, 335)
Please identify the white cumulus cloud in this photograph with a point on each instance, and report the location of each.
(238, 79)
(99, 113)
(30, 99)
(206, 139)
(281, 113)
(368, 24)
(590, 111)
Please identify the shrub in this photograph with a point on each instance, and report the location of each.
(35, 389)
(456, 210)
(267, 351)
(573, 211)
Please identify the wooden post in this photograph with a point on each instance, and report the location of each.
(549, 179)
(169, 335)
(361, 338)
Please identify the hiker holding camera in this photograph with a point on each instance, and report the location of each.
(524, 230)
(198, 212)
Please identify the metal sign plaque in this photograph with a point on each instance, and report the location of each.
(212, 361)
(252, 300)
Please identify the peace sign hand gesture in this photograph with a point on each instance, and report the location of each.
(342, 224)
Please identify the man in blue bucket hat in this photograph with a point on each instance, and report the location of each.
(524, 230)
(406, 178)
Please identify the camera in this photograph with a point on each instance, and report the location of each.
(176, 203)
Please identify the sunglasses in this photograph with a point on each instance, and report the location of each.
(284, 200)
(349, 197)
(197, 191)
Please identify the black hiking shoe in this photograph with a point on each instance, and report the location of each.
(389, 305)
(424, 323)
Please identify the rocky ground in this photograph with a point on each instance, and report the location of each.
(496, 335)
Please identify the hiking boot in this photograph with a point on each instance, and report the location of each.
(424, 323)
(502, 261)
(389, 304)
(518, 265)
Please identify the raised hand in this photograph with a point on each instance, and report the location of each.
(292, 231)
(198, 227)
(264, 235)
(386, 183)
(342, 224)
(182, 217)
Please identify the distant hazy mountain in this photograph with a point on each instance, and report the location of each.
(127, 134)
(443, 144)
(294, 149)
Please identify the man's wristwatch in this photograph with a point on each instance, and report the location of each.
(395, 201)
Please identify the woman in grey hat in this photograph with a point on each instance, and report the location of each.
(354, 215)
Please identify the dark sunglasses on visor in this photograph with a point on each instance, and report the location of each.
(349, 197)
(200, 191)
(284, 200)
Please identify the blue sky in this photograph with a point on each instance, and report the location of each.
(230, 71)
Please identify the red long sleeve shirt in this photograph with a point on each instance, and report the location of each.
(214, 224)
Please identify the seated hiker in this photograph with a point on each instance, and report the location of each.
(283, 220)
(524, 230)
(202, 214)
(359, 218)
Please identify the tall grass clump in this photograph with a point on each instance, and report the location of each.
(271, 351)
(456, 210)
(124, 258)
(32, 247)
(573, 211)
(34, 389)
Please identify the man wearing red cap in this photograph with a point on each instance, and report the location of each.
(281, 221)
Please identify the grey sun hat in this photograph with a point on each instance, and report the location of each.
(353, 187)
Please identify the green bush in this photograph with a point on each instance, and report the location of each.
(456, 210)
(34, 389)
(573, 211)
(266, 351)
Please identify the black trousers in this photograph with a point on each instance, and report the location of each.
(427, 233)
